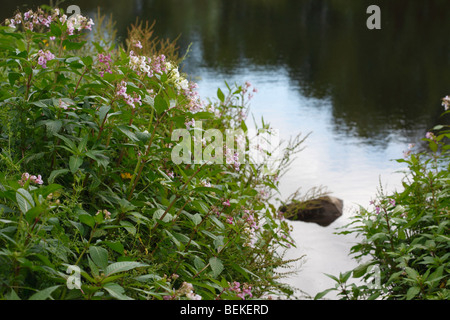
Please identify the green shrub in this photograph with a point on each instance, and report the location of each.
(88, 185)
(405, 246)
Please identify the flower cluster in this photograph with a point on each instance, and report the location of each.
(131, 100)
(187, 289)
(382, 205)
(148, 66)
(35, 19)
(408, 152)
(106, 213)
(77, 22)
(32, 178)
(189, 123)
(44, 57)
(246, 290)
(232, 158)
(430, 135)
(250, 229)
(188, 89)
(246, 89)
(105, 63)
(65, 106)
(138, 44)
(140, 64)
(205, 183)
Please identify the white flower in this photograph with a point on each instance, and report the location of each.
(193, 296)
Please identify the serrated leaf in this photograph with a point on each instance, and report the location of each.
(116, 246)
(216, 266)
(87, 219)
(412, 292)
(56, 173)
(53, 126)
(122, 267)
(100, 256)
(116, 291)
(128, 133)
(24, 200)
(129, 227)
(44, 294)
(74, 163)
(102, 112)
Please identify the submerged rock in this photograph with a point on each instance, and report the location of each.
(323, 210)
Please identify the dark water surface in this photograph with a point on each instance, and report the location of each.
(363, 94)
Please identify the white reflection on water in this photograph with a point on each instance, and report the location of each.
(346, 166)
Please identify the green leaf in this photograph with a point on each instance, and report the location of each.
(216, 266)
(160, 104)
(116, 291)
(73, 45)
(68, 142)
(116, 246)
(220, 95)
(413, 274)
(128, 133)
(196, 218)
(412, 292)
(49, 189)
(13, 77)
(320, 295)
(103, 112)
(12, 295)
(74, 163)
(361, 270)
(129, 227)
(55, 30)
(31, 214)
(122, 267)
(241, 270)
(100, 256)
(44, 294)
(24, 200)
(87, 219)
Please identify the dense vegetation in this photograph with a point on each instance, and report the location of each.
(405, 242)
(93, 204)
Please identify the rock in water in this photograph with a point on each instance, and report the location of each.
(323, 210)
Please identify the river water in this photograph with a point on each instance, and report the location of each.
(362, 95)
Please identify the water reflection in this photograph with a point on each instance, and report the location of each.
(378, 81)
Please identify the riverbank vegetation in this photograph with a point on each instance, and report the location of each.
(404, 246)
(92, 205)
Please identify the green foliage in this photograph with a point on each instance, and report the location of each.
(105, 213)
(405, 246)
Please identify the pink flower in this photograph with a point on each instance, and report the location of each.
(230, 220)
(138, 45)
(39, 180)
(430, 136)
(32, 178)
(226, 203)
(105, 65)
(45, 56)
(189, 123)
